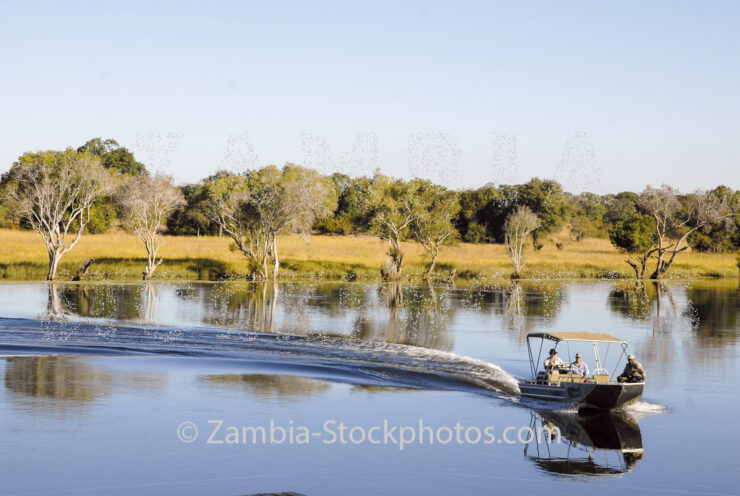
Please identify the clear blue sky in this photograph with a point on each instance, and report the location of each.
(632, 93)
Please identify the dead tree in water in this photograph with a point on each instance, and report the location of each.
(82, 271)
(675, 220)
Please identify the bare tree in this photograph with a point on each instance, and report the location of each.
(146, 203)
(518, 227)
(54, 192)
(674, 221)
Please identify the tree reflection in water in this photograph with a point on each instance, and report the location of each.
(72, 380)
(269, 386)
(709, 310)
(714, 310)
(419, 315)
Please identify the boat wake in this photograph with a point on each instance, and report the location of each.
(338, 359)
(644, 408)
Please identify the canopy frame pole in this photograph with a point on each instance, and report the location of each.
(536, 365)
(570, 360)
(624, 350)
(531, 362)
(596, 356)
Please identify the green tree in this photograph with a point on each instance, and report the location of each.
(478, 215)
(433, 226)
(620, 207)
(548, 202)
(114, 156)
(351, 214)
(393, 208)
(288, 200)
(587, 217)
(723, 237)
(118, 160)
(190, 218)
(229, 206)
(256, 207)
(635, 236)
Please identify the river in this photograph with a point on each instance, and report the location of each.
(106, 385)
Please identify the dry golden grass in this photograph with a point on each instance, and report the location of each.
(120, 256)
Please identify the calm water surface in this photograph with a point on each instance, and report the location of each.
(97, 378)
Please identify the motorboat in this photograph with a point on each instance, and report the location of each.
(561, 383)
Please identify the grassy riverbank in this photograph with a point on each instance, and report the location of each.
(121, 256)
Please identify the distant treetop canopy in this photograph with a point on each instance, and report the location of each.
(114, 156)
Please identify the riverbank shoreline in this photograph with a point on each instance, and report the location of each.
(121, 257)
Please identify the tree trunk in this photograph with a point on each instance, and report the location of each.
(430, 270)
(264, 260)
(149, 270)
(273, 305)
(634, 267)
(391, 270)
(663, 266)
(641, 268)
(275, 259)
(53, 263)
(54, 308)
(82, 271)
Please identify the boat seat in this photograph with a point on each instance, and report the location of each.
(568, 378)
(601, 378)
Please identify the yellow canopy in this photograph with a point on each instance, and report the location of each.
(575, 336)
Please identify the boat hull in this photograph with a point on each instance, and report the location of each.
(598, 396)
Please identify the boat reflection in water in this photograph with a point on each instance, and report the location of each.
(605, 444)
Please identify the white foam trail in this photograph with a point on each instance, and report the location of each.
(644, 408)
(398, 364)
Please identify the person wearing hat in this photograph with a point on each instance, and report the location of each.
(579, 367)
(633, 371)
(552, 361)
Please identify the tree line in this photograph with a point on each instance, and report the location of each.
(61, 194)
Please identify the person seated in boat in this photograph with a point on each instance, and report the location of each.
(552, 361)
(580, 368)
(633, 371)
